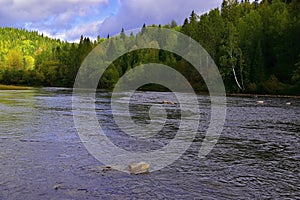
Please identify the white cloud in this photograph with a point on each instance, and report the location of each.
(64, 19)
(88, 30)
(73, 34)
(133, 13)
(20, 11)
(68, 19)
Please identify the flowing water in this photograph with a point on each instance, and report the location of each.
(42, 157)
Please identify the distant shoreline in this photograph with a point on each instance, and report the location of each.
(16, 87)
(263, 95)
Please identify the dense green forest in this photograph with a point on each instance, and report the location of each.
(256, 47)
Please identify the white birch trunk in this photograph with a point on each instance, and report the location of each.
(237, 82)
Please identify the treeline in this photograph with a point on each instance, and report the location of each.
(256, 47)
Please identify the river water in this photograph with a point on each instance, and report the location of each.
(42, 157)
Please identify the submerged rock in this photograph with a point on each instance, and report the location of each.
(100, 169)
(139, 168)
(169, 102)
(57, 186)
(106, 168)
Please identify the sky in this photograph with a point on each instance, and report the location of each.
(69, 19)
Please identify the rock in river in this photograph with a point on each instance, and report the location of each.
(139, 168)
(169, 102)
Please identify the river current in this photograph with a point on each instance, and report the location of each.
(42, 157)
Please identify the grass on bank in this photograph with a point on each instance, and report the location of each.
(14, 87)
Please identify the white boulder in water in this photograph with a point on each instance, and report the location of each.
(260, 102)
(139, 168)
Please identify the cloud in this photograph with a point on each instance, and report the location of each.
(134, 13)
(18, 11)
(54, 17)
(73, 35)
(68, 19)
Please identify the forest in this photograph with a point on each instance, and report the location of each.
(256, 47)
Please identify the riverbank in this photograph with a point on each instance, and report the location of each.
(262, 95)
(14, 87)
(162, 89)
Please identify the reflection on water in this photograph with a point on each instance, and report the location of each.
(257, 156)
(16, 112)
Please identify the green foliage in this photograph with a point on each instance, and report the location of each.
(32, 59)
(252, 41)
(272, 86)
(296, 74)
(14, 60)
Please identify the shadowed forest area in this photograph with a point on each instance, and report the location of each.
(256, 47)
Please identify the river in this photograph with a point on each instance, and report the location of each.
(42, 156)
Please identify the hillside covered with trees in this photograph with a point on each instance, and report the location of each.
(256, 47)
(28, 58)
